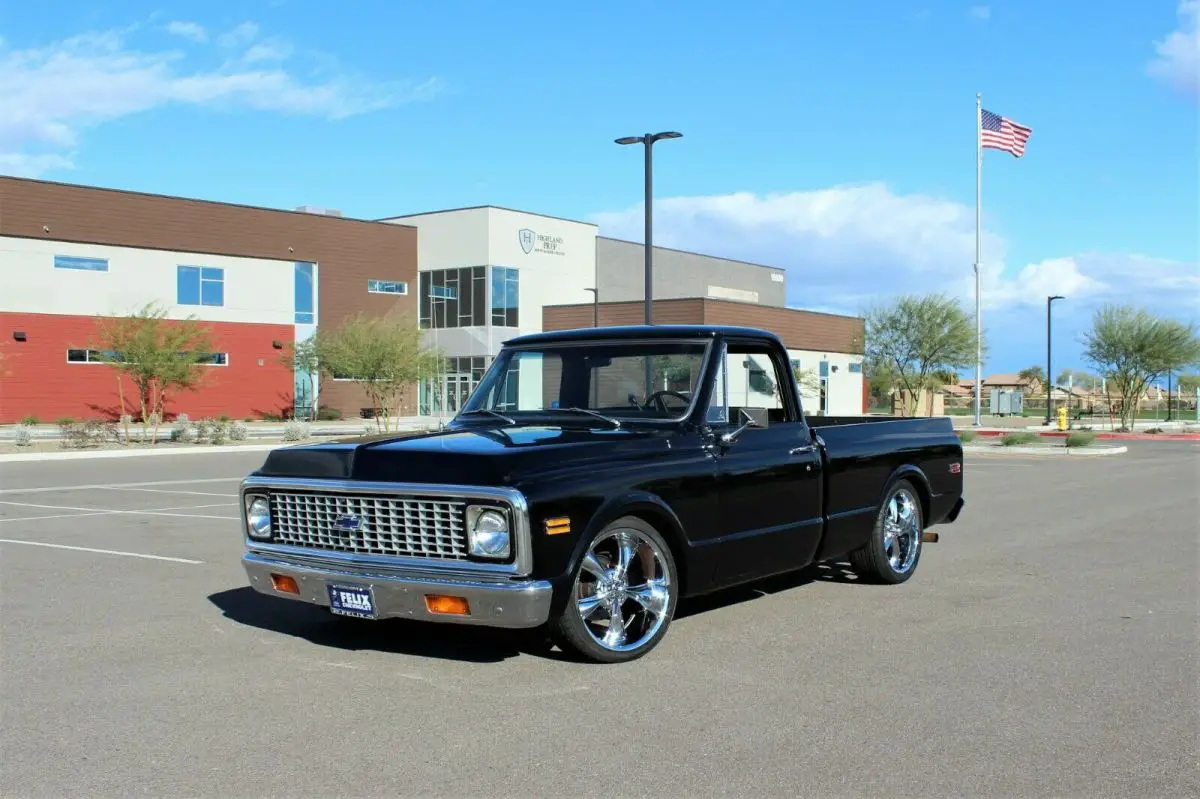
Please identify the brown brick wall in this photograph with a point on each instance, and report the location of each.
(801, 330)
(348, 251)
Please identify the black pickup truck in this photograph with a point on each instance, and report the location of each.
(593, 479)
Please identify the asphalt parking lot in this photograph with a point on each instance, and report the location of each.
(1046, 646)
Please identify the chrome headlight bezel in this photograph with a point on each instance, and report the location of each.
(489, 532)
(257, 516)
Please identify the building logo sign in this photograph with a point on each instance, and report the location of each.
(532, 241)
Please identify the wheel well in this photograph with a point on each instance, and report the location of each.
(923, 495)
(665, 525)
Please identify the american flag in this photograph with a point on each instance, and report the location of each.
(1001, 133)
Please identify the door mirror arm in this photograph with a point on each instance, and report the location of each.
(750, 421)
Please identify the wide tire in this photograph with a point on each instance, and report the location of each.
(893, 551)
(627, 575)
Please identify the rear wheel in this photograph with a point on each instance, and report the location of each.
(623, 596)
(894, 548)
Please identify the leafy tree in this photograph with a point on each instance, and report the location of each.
(1132, 348)
(916, 339)
(384, 355)
(157, 354)
(1034, 376)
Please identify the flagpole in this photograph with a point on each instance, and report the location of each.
(978, 257)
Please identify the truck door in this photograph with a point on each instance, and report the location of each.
(768, 478)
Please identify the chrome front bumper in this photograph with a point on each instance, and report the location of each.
(492, 602)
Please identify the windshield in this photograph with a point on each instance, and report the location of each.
(653, 380)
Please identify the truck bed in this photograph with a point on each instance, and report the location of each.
(863, 452)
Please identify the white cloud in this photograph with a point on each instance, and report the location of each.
(980, 13)
(240, 36)
(847, 247)
(187, 30)
(53, 93)
(1178, 54)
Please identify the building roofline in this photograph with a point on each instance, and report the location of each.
(692, 252)
(158, 196)
(747, 303)
(486, 207)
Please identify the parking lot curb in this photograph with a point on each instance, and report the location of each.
(26, 457)
(1050, 452)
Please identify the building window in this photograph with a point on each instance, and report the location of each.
(90, 356)
(305, 291)
(453, 297)
(81, 263)
(855, 367)
(505, 296)
(201, 285)
(80, 355)
(387, 287)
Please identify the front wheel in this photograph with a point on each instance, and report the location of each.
(892, 552)
(623, 595)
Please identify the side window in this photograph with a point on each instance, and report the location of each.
(755, 377)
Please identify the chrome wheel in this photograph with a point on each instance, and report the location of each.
(902, 531)
(623, 591)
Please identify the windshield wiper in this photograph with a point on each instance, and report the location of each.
(497, 414)
(590, 412)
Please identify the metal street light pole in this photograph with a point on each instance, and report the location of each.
(595, 307)
(648, 140)
(1049, 380)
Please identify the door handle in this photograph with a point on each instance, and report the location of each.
(801, 450)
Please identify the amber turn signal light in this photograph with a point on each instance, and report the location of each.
(448, 605)
(559, 525)
(281, 582)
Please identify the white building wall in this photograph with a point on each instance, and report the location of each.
(255, 290)
(449, 239)
(843, 387)
(557, 269)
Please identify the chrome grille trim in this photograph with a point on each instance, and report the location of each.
(510, 499)
(395, 526)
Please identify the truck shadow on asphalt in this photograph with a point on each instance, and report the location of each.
(462, 642)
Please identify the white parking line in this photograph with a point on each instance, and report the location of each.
(52, 489)
(150, 512)
(53, 516)
(102, 551)
(173, 491)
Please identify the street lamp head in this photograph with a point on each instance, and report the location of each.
(1056, 297)
(667, 134)
(629, 140)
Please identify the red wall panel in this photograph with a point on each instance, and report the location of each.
(36, 379)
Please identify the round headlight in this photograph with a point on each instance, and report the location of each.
(258, 518)
(489, 535)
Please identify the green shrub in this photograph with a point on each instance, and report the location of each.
(29, 421)
(64, 421)
(967, 435)
(1018, 439)
(1080, 439)
(328, 414)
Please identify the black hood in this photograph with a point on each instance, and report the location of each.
(469, 455)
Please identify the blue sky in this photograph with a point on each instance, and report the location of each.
(836, 140)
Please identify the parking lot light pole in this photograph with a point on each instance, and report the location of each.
(648, 140)
(595, 306)
(1049, 380)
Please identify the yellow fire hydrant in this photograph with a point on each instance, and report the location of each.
(1062, 418)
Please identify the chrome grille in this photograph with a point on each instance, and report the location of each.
(386, 525)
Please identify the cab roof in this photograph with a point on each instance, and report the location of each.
(640, 332)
